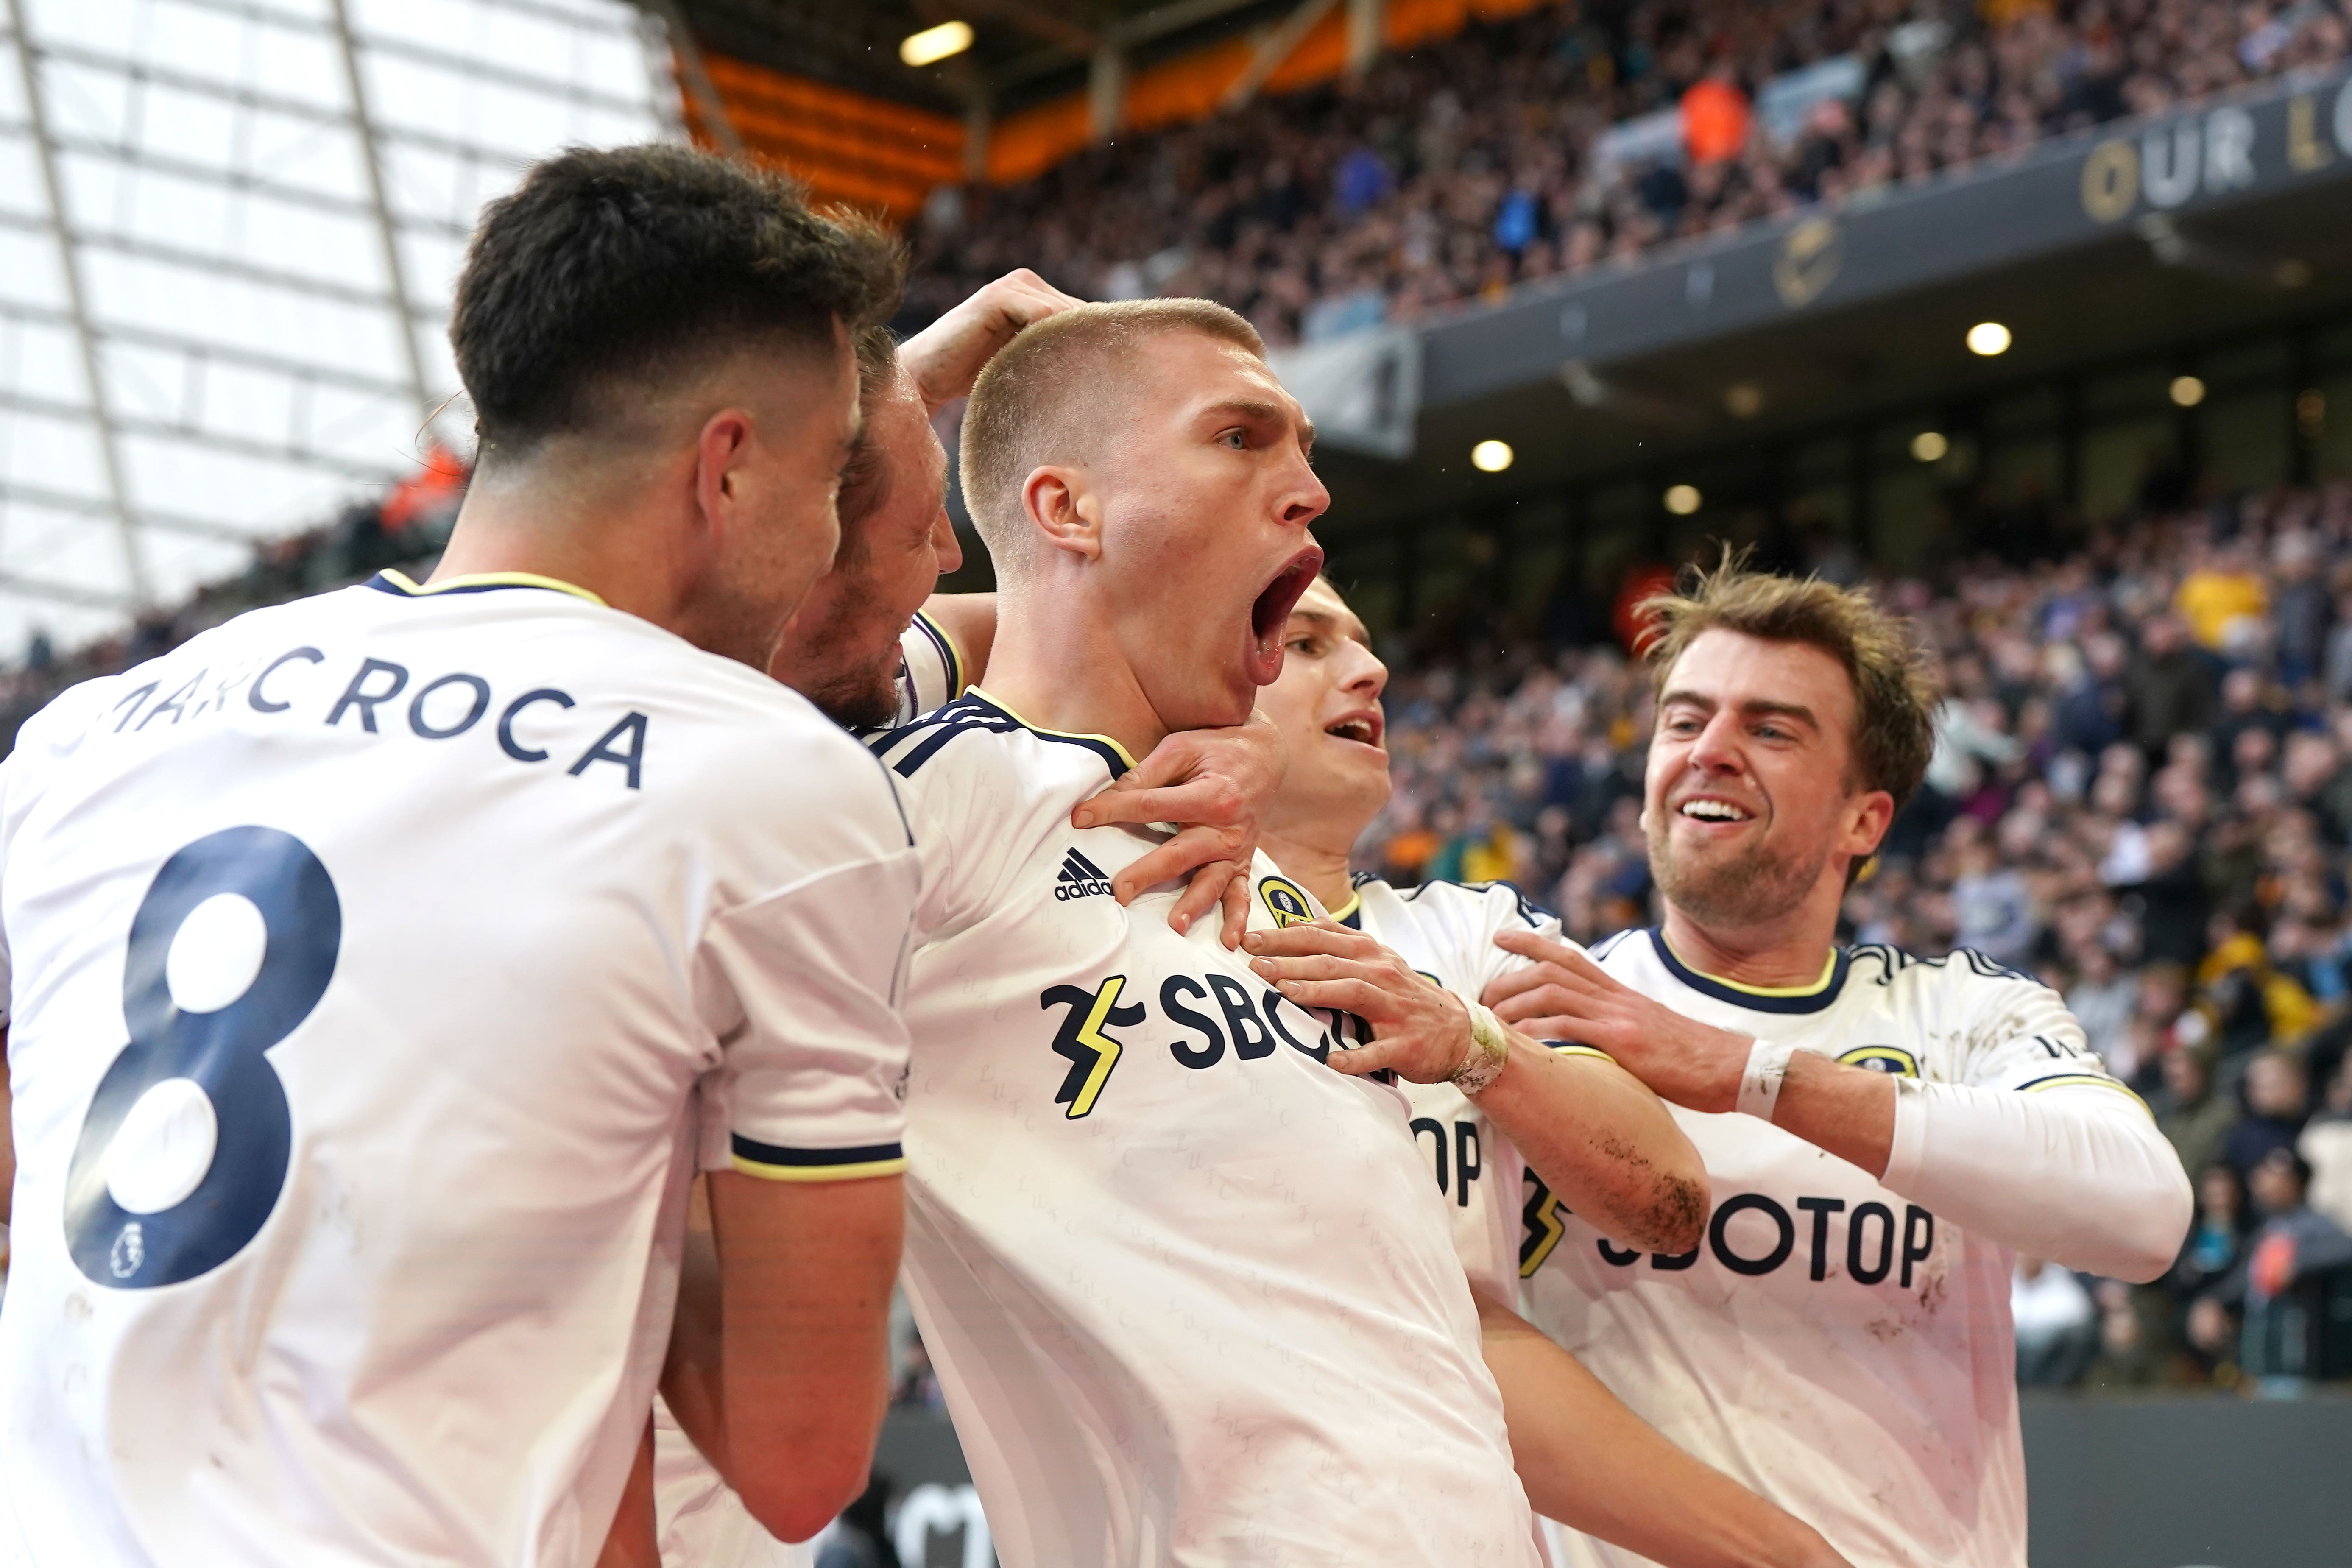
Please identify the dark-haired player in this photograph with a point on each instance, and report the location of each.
(1883, 1133)
(368, 953)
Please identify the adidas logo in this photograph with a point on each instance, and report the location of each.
(1081, 879)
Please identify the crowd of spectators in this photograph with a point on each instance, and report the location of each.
(1583, 134)
(407, 524)
(2141, 792)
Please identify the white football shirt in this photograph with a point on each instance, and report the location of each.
(1446, 931)
(703, 1523)
(1837, 1349)
(1192, 1296)
(369, 955)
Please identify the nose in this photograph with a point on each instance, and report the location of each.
(1717, 749)
(1363, 674)
(947, 550)
(1306, 498)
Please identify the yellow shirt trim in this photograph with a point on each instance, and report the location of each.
(819, 1173)
(1124, 756)
(1828, 969)
(408, 584)
(1567, 1050)
(1355, 901)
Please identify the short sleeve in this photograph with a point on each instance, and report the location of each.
(816, 1066)
(1502, 907)
(2021, 1036)
(931, 672)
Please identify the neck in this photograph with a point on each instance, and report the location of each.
(1064, 671)
(1319, 868)
(1791, 949)
(572, 531)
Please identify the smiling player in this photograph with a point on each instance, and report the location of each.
(1883, 1132)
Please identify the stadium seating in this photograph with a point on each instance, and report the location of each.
(1554, 144)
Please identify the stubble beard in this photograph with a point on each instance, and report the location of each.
(859, 699)
(1752, 888)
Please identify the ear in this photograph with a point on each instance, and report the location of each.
(1869, 815)
(1063, 508)
(722, 477)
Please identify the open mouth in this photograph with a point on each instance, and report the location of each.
(1707, 808)
(1270, 612)
(1364, 729)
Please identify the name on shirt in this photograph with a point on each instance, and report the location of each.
(383, 698)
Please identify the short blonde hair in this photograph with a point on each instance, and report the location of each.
(1895, 688)
(1041, 399)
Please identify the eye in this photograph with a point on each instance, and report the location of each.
(1301, 644)
(1236, 438)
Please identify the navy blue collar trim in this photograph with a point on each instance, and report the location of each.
(973, 702)
(1705, 985)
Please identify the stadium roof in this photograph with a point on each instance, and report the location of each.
(1021, 49)
(228, 231)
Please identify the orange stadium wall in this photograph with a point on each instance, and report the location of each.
(882, 156)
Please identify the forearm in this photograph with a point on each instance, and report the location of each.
(690, 1383)
(2079, 1177)
(1845, 1110)
(805, 1274)
(633, 1541)
(1606, 1146)
(1591, 1463)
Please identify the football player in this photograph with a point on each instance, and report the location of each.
(1884, 1134)
(368, 953)
(1583, 1456)
(852, 647)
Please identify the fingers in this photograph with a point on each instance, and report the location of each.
(1543, 1001)
(1238, 907)
(1204, 802)
(1543, 950)
(1208, 886)
(1315, 966)
(1535, 977)
(1326, 935)
(1364, 1060)
(1361, 997)
(1187, 852)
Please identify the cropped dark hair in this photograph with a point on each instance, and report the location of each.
(607, 266)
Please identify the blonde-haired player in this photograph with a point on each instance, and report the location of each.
(1883, 1134)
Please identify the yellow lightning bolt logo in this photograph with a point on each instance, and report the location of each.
(1092, 1054)
(1541, 1229)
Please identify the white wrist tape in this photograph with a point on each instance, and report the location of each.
(1490, 1048)
(1759, 1085)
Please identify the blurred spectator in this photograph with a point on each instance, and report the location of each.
(2057, 1324)
(2169, 688)
(2102, 999)
(2276, 1107)
(2222, 599)
(2281, 1288)
(2194, 1118)
(2327, 1145)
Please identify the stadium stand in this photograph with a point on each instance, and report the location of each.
(1580, 135)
